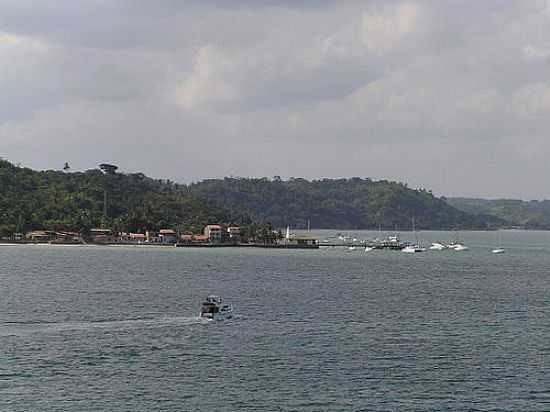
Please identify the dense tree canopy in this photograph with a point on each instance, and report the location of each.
(525, 214)
(353, 203)
(134, 202)
(75, 201)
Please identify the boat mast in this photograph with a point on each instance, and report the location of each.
(414, 231)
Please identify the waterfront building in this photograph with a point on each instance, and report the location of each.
(300, 241)
(67, 237)
(101, 235)
(200, 238)
(137, 237)
(214, 233)
(234, 233)
(40, 235)
(167, 236)
(186, 238)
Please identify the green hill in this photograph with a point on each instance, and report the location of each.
(75, 201)
(134, 202)
(336, 203)
(526, 214)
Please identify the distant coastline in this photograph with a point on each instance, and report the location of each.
(76, 203)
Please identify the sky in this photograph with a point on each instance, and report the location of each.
(451, 96)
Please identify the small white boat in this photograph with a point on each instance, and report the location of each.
(351, 248)
(499, 250)
(438, 246)
(413, 249)
(213, 308)
(459, 247)
(368, 248)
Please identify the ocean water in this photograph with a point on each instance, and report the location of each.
(116, 328)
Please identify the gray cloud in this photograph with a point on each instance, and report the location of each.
(453, 96)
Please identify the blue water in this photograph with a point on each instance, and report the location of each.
(116, 329)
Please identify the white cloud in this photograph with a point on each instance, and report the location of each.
(384, 28)
(535, 54)
(207, 82)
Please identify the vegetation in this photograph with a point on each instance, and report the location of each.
(335, 203)
(80, 201)
(59, 200)
(529, 215)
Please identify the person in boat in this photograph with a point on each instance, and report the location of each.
(209, 307)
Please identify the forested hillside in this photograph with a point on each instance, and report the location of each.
(75, 201)
(134, 202)
(529, 215)
(336, 203)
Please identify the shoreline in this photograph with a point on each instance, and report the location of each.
(161, 245)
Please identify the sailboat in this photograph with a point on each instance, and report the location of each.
(414, 248)
(456, 245)
(498, 250)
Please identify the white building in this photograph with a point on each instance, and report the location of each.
(234, 233)
(214, 233)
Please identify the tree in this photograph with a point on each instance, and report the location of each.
(108, 169)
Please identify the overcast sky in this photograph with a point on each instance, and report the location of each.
(452, 96)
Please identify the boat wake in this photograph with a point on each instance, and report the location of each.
(30, 327)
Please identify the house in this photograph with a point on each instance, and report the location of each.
(234, 233)
(167, 236)
(150, 237)
(214, 233)
(41, 236)
(200, 238)
(70, 237)
(137, 237)
(303, 241)
(186, 238)
(101, 235)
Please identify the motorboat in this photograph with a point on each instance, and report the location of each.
(438, 246)
(213, 308)
(368, 248)
(459, 247)
(498, 251)
(413, 249)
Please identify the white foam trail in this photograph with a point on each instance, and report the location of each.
(29, 328)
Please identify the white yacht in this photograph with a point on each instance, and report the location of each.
(213, 308)
(413, 249)
(498, 251)
(459, 247)
(438, 246)
(368, 248)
